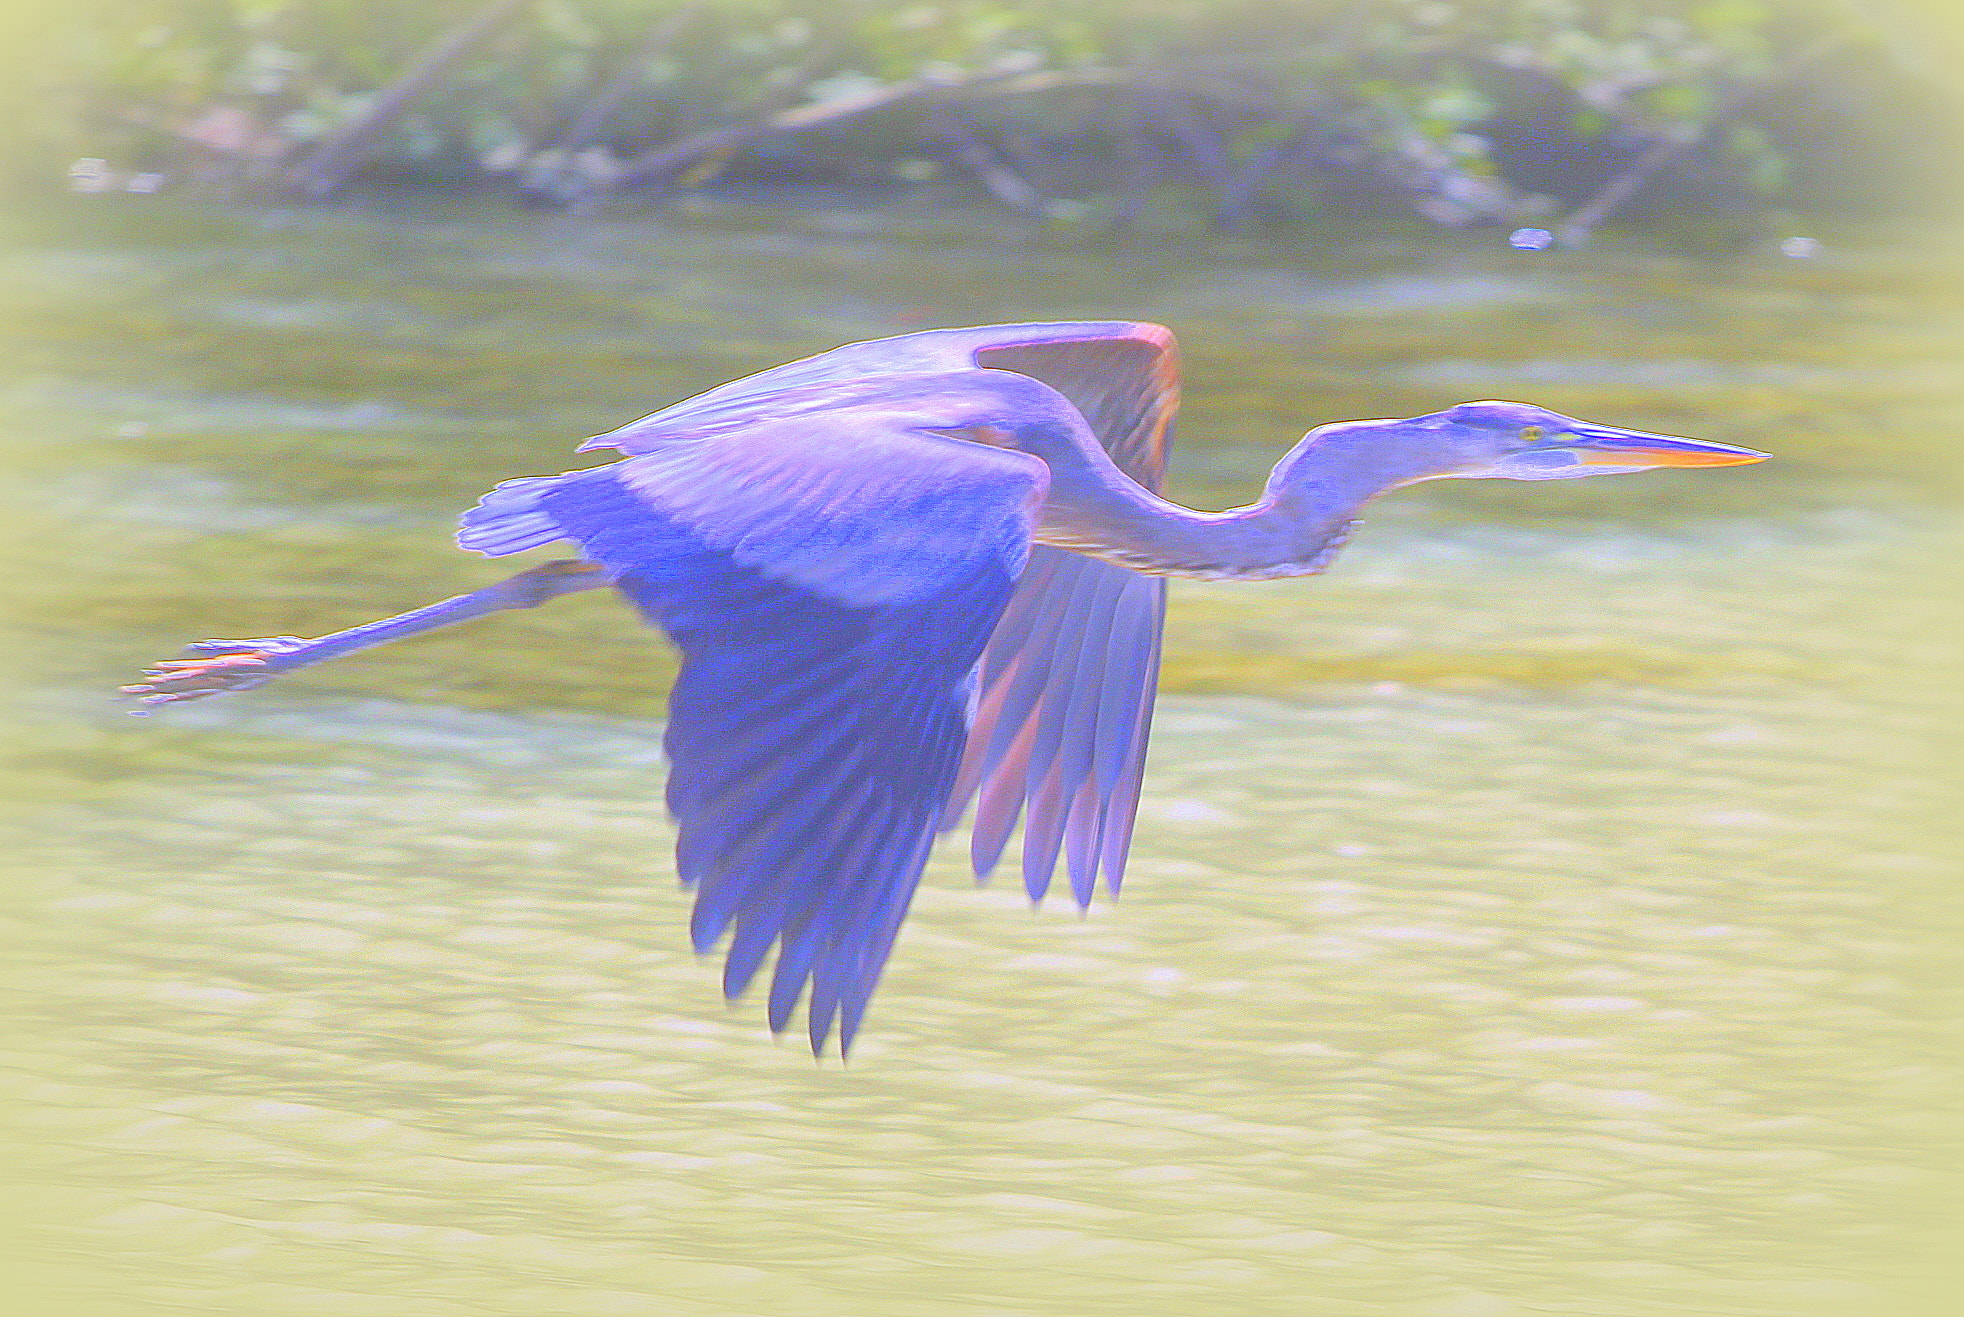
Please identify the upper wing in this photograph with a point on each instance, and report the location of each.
(1126, 385)
(1122, 374)
(1066, 688)
(831, 583)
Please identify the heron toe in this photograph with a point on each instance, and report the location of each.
(175, 680)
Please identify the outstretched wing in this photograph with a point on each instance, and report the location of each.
(1065, 693)
(831, 582)
(1066, 688)
(1122, 374)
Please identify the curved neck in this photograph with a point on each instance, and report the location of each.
(1294, 529)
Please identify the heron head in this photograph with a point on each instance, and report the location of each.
(1519, 441)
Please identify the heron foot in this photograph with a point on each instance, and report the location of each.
(218, 667)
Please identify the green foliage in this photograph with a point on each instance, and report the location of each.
(231, 88)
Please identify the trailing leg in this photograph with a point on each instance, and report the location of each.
(219, 667)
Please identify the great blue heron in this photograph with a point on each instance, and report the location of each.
(914, 573)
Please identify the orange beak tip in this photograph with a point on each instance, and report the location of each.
(1675, 457)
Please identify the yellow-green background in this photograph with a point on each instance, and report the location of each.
(1550, 911)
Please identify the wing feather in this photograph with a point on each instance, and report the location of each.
(1066, 723)
(1007, 724)
(1073, 693)
(1065, 740)
(829, 629)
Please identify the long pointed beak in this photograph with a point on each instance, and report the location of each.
(1602, 445)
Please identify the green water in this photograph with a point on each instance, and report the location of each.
(1545, 912)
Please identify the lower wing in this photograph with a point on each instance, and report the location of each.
(831, 601)
(1063, 706)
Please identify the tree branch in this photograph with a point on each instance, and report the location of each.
(329, 164)
(653, 167)
(1575, 228)
(981, 160)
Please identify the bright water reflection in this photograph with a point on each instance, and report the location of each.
(1533, 916)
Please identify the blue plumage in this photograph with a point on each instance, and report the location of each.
(812, 744)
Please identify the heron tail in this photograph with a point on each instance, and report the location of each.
(510, 520)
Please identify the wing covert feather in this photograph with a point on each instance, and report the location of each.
(1122, 374)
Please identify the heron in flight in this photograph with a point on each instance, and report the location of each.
(912, 575)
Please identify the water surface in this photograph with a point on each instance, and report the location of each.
(1541, 913)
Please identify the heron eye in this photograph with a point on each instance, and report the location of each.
(1530, 433)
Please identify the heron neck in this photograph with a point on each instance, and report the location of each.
(1294, 529)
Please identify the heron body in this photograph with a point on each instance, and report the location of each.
(914, 575)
